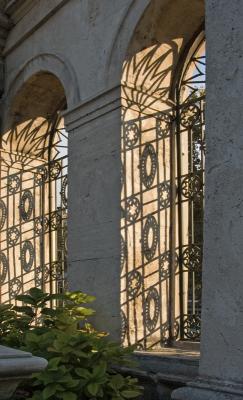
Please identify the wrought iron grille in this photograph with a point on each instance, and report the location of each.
(162, 171)
(190, 171)
(33, 208)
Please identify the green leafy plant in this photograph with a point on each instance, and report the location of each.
(81, 361)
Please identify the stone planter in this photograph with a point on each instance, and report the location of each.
(16, 365)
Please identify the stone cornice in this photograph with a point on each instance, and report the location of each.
(93, 108)
(27, 17)
(5, 26)
(15, 9)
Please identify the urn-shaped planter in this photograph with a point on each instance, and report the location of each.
(16, 365)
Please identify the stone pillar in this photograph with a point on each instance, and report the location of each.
(94, 204)
(221, 364)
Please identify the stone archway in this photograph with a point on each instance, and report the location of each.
(161, 246)
(34, 189)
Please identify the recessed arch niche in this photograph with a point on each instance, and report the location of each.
(33, 186)
(160, 298)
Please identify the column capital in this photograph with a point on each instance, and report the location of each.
(93, 108)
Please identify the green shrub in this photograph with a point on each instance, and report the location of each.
(81, 361)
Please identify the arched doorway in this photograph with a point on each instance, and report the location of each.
(163, 99)
(33, 188)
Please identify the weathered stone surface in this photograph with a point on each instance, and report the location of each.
(221, 362)
(94, 228)
(162, 372)
(222, 326)
(189, 393)
(84, 43)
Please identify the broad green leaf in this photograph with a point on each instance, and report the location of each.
(75, 353)
(56, 296)
(69, 396)
(79, 297)
(83, 373)
(32, 337)
(130, 394)
(84, 311)
(117, 381)
(72, 383)
(54, 362)
(49, 391)
(37, 294)
(93, 388)
(25, 298)
(25, 310)
(50, 312)
(100, 370)
(5, 307)
(37, 396)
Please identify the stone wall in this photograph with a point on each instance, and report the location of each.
(84, 43)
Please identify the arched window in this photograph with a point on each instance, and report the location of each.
(33, 190)
(162, 196)
(190, 142)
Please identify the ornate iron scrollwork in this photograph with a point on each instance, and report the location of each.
(163, 125)
(57, 270)
(162, 153)
(63, 242)
(42, 275)
(192, 187)
(131, 133)
(192, 327)
(134, 283)
(165, 262)
(14, 287)
(139, 346)
(41, 175)
(133, 209)
(192, 258)
(124, 326)
(64, 189)
(13, 184)
(122, 176)
(3, 213)
(13, 235)
(190, 114)
(149, 250)
(55, 220)
(164, 195)
(55, 169)
(34, 166)
(41, 225)
(26, 212)
(167, 333)
(123, 253)
(148, 153)
(27, 255)
(3, 267)
(152, 297)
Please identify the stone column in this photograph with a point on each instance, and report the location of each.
(221, 364)
(94, 204)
